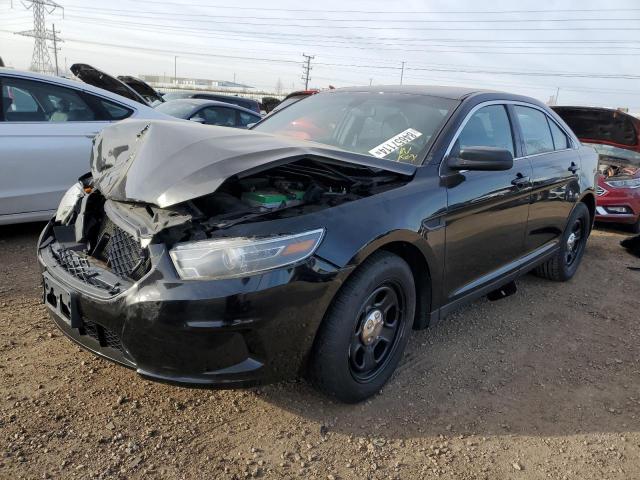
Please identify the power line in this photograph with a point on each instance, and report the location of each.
(282, 35)
(379, 45)
(430, 12)
(432, 67)
(448, 29)
(349, 38)
(173, 15)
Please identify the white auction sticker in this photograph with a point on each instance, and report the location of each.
(394, 143)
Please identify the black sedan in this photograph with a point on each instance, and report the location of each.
(315, 242)
(209, 112)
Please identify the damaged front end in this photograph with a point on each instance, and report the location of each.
(177, 233)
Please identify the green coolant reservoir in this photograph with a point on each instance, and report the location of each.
(273, 198)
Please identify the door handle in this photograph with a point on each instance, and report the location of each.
(573, 168)
(520, 181)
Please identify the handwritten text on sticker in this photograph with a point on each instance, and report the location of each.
(394, 143)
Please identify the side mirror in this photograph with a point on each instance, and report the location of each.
(481, 158)
(197, 119)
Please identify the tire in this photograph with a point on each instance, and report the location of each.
(363, 329)
(564, 264)
(635, 228)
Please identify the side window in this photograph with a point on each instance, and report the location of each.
(488, 127)
(560, 140)
(33, 101)
(245, 119)
(112, 111)
(535, 130)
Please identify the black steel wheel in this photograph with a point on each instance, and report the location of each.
(564, 264)
(377, 330)
(365, 330)
(574, 241)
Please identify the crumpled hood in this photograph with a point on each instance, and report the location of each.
(164, 163)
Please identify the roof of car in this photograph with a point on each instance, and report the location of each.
(453, 93)
(203, 102)
(73, 84)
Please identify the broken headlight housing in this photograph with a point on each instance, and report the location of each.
(239, 257)
(68, 202)
(630, 183)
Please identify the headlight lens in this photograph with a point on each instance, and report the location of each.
(69, 200)
(630, 183)
(239, 257)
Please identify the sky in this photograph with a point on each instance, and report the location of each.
(586, 53)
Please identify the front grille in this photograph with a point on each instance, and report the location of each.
(77, 265)
(121, 251)
(104, 336)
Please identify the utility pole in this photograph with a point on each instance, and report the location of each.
(402, 73)
(557, 94)
(40, 61)
(55, 47)
(175, 69)
(306, 69)
(370, 81)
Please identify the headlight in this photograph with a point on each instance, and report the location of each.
(238, 257)
(631, 183)
(69, 200)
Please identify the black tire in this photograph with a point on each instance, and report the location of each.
(635, 228)
(341, 356)
(564, 264)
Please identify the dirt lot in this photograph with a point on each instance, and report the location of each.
(544, 384)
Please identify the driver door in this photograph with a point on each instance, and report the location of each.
(487, 210)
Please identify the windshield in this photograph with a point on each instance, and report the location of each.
(176, 108)
(394, 126)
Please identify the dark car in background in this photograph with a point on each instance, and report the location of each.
(126, 86)
(315, 242)
(292, 98)
(615, 135)
(248, 103)
(209, 112)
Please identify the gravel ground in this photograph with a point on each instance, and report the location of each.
(543, 384)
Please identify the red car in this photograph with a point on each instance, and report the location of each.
(616, 137)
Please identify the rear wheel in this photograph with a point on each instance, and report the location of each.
(565, 262)
(366, 329)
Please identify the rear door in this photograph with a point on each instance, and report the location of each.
(556, 166)
(46, 132)
(487, 210)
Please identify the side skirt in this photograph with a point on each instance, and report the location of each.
(490, 282)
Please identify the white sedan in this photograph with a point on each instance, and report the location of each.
(47, 125)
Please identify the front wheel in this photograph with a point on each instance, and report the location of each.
(564, 264)
(366, 329)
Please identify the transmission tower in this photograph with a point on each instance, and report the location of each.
(41, 60)
(306, 70)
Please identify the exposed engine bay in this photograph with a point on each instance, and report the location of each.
(610, 170)
(115, 234)
(156, 185)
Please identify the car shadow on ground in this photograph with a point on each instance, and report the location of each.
(554, 359)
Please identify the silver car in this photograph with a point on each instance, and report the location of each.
(47, 125)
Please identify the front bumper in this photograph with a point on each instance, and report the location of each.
(610, 197)
(235, 332)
